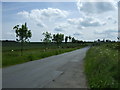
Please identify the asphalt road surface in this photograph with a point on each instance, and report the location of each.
(60, 71)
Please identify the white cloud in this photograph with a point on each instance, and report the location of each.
(86, 22)
(112, 19)
(108, 33)
(78, 34)
(45, 13)
(42, 16)
(115, 22)
(109, 18)
(78, 27)
(74, 21)
(90, 21)
(96, 7)
(66, 28)
(62, 27)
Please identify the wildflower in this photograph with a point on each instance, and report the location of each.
(12, 50)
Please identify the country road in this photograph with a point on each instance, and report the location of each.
(60, 71)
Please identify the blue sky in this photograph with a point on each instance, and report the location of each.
(84, 21)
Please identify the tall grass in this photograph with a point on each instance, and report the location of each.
(101, 66)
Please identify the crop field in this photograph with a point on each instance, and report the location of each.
(11, 51)
(101, 66)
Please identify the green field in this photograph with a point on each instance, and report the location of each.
(11, 53)
(101, 66)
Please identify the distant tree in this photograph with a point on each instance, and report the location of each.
(98, 40)
(40, 39)
(23, 34)
(80, 41)
(58, 38)
(103, 40)
(48, 37)
(73, 40)
(66, 39)
(118, 38)
(108, 40)
(70, 38)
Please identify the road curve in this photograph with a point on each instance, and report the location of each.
(60, 71)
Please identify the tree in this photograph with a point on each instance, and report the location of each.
(23, 34)
(58, 38)
(103, 40)
(73, 40)
(70, 38)
(118, 38)
(98, 40)
(48, 37)
(66, 39)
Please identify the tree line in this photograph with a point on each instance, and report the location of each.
(23, 34)
(58, 38)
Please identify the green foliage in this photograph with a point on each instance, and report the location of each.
(76, 41)
(70, 38)
(73, 40)
(58, 38)
(23, 33)
(66, 39)
(48, 37)
(101, 66)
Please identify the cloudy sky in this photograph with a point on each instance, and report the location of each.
(82, 20)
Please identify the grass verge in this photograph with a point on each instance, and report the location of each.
(101, 66)
(14, 57)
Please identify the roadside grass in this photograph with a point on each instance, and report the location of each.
(101, 66)
(0, 54)
(0, 59)
(33, 52)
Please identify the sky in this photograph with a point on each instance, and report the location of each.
(83, 20)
